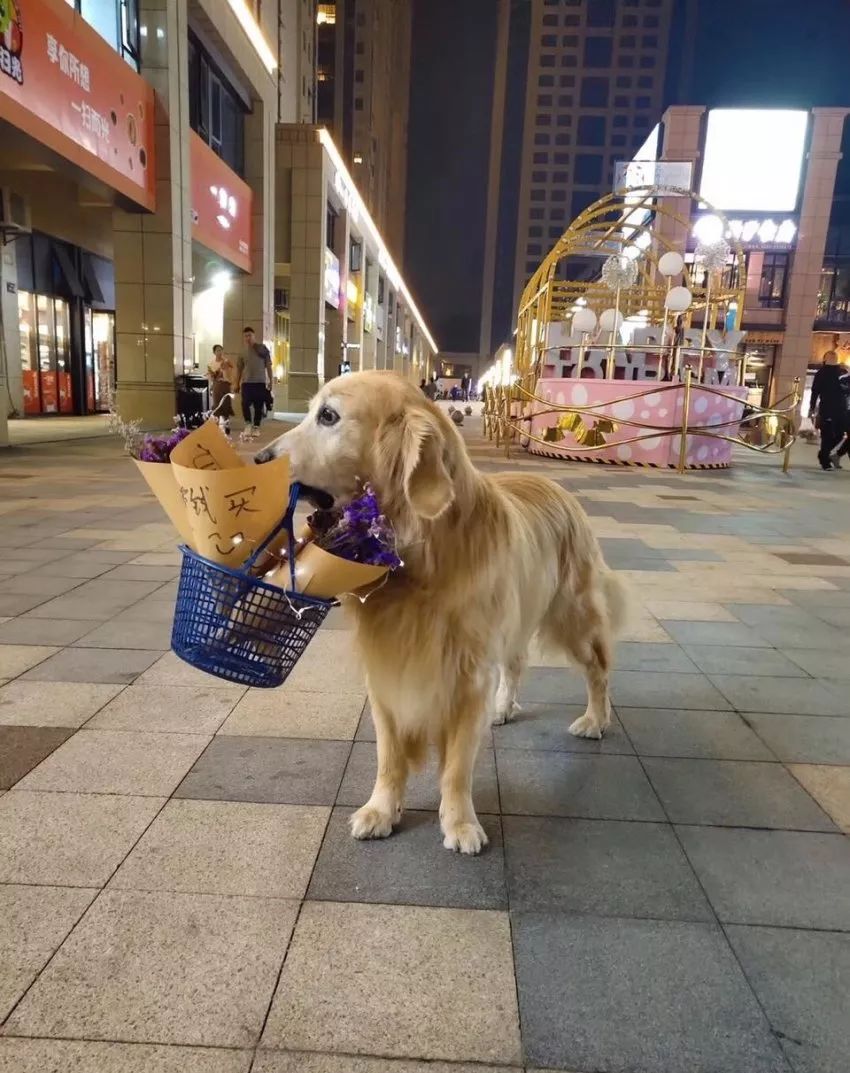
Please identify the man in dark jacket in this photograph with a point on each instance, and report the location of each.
(830, 391)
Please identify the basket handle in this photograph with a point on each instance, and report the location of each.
(286, 523)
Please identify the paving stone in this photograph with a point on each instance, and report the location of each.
(120, 666)
(19, 603)
(789, 696)
(651, 689)
(52, 704)
(800, 980)
(600, 867)
(24, 747)
(109, 762)
(788, 879)
(226, 847)
(443, 988)
(562, 784)
(830, 787)
(689, 610)
(148, 636)
(77, 1056)
(735, 659)
(170, 670)
(278, 1062)
(646, 656)
(713, 633)
(75, 840)
(166, 709)
(733, 793)
(546, 727)
(412, 867)
(42, 631)
(15, 659)
(423, 787)
(96, 600)
(170, 968)
(289, 771)
(622, 995)
(785, 626)
(714, 735)
(820, 663)
(273, 713)
(803, 739)
(33, 922)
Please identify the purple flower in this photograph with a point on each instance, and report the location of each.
(359, 532)
(159, 448)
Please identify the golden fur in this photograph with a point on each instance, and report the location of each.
(489, 562)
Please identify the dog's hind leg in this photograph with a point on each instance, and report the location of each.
(582, 632)
(506, 706)
(459, 742)
(382, 811)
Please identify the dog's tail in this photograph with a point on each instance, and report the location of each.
(618, 601)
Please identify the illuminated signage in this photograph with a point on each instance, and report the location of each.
(221, 205)
(368, 312)
(753, 159)
(348, 196)
(663, 175)
(332, 278)
(761, 231)
(62, 84)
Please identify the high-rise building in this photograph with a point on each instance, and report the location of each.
(363, 90)
(593, 86)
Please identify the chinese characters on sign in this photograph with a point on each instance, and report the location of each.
(69, 64)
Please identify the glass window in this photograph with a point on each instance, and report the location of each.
(774, 269)
(547, 59)
(643, 102)
(549, 40)
(594, 92)
(600, 13)
(570, 40)
(538, 176)
(565, 120)
(538, 195)
(621, 102)
(647, 62)
(535, 214)
(542, 138)
(102, 15)
(628, 41)
(645, 81)
(591, 130)
(550, 20)
(546, 80)
(559, 195)
(544, 100)
(559, 177)
(621, 121)
(535, 231)
(568, 59)
(565, 100)
(623, 81)
(571, 20)
(649, 41)
(588, 168)
(562, 158)
(618, 139)
(541, 158)
(544, 119)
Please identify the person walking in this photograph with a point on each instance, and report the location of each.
(220, 373)
(253, 379)
(830, 389)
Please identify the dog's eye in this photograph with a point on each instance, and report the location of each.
(327, 416)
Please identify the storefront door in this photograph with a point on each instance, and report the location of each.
(99, 331)
(45, 326)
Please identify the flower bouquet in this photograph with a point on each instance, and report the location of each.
(342, 550)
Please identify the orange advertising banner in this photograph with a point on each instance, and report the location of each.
(61, 83)
(221, 205)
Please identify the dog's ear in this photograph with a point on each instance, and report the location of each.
(414, 445)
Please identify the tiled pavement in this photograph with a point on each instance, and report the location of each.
(179, 894)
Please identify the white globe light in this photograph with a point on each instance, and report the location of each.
(611, 320)
(709, 228)
(678, 299)
(584, 320)
(671, 264)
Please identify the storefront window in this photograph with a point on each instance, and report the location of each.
(100, 360)
(45, 354)
(772, 285)
(758, 373)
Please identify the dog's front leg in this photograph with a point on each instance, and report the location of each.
(459, 747)
(382, 811)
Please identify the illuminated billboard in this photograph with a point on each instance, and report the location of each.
(753, 159)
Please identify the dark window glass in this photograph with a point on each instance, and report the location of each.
(554, 232)
(588, 168)
(644, 81)
(559, 195)
(565, 100)
(643, 102)
(541, 158)
(774, 269)
(559, 177)
(647, 62)
(549, 40)
(534, 249)
(536, 231)
(651, 22)
(547, 59)
(358, 76)
(531, 267)
(580, 200)
(538, 195)
(565, 120)
(568, 80)
(550, 20)
(628, 41)
(618, 139)
(541, 139)
(600, 13)
(358, 104)
(544, 100)
(570, 40)
(535, 214)
(594, 92)
(649, 41)
(330, 227)
(544, 119)
(562, 158)
(538, 176)
(571, 20)
(216, 112)
(598, 51)
(569, 60)
(563, 139)
(621, 102)
(621, 121)
(627, 61)
(630, 20)
(546, 80)
(591, 130)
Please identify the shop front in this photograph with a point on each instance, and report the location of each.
(66, 320)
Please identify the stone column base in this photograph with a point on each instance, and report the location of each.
(153, 404)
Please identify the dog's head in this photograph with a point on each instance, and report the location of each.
(375, 427)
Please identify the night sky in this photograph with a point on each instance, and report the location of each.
(754, 53)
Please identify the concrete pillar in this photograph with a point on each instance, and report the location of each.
(11, 390)
(802, 299)
(682, 140)
(249, 299)
(153, 252)
(303, 155)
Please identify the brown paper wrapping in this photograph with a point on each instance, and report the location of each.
(160, 480)
(318, 573)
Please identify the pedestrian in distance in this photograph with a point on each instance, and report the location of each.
(828, 408)
(253, 380)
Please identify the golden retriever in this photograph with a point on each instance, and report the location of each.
(489, 562)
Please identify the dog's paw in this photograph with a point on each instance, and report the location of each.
(465, 837)
(370, 822)
(587, 727)
(506, 715)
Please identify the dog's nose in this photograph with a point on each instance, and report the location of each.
(266, 455)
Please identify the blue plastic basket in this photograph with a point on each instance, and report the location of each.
(238, 627)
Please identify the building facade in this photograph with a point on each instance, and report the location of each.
(363, 93)
(137, 194)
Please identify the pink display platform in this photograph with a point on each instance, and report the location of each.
(640, 400)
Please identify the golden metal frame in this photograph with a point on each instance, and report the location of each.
(606, 227)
